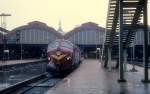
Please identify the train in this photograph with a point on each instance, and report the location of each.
(63, 57)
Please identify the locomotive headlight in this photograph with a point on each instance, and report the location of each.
(49, 58)
(68, 58)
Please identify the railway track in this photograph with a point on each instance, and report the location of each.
(36, 85)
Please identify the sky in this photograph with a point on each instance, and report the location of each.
(72, 13)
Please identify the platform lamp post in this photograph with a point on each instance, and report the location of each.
(3, 17)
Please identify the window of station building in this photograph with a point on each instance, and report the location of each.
(30, 36)
(22, 37)
(34, 35)
(25, 36)
(46, 36)
(12, 39)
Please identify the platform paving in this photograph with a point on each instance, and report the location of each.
(91, 78)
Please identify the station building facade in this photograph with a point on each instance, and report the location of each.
(89, 37)
(137, 44)
(30, 40)
(34, 37)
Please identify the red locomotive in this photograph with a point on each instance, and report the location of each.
(63, 57)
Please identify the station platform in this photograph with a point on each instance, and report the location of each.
(91, 78)
(12, 62)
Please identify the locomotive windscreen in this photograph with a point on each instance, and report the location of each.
(67, 44)
(61, 44)
(53, 46)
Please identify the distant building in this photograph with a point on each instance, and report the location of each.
(33, 33)
(86, 34)
(32, 39)
(89, 37)
(139, 37)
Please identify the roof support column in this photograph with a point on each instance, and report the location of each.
(121, 69)
(145, 51)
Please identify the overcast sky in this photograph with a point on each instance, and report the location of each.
(71, 12)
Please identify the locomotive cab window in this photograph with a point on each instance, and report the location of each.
(54, 45)
(67, 45)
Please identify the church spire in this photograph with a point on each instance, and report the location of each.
(59, 23)
(60, 27)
